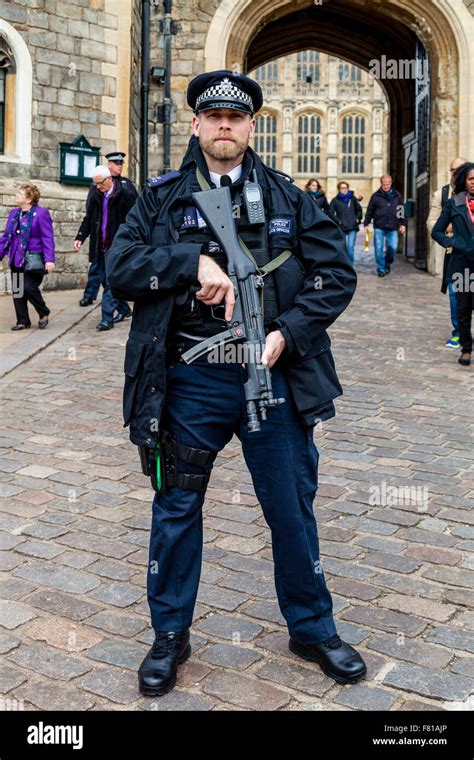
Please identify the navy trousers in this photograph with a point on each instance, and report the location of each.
(204, 407)
(93, 281)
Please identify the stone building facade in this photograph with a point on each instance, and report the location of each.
(73, 68)
(323, 118)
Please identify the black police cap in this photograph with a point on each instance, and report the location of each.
(117, 156)
(224, 89)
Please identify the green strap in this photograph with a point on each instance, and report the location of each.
(274, 263)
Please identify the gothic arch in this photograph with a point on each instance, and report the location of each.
(22, 94)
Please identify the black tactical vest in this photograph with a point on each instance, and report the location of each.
(193, 317)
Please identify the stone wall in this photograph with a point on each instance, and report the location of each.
(74, 54)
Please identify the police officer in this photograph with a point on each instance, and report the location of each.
(115, 163)
(164, 259)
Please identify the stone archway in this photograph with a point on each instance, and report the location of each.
(244, 34)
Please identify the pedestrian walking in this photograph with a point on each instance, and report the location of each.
(387, 210)
(28, 240)
(346, 210)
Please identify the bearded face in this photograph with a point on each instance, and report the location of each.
(224, 133)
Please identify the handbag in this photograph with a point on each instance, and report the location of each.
(34, 262)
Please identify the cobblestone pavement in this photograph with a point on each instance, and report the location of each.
(393, 509)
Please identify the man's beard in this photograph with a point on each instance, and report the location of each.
(223, 151)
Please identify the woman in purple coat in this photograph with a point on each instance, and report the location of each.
(29, 228)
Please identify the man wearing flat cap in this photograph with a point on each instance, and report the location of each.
(165, 260)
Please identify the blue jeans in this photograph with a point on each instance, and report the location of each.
(454, 309)
(350, 242)
(384, 258)
(204, 407)
(93, 281)
(109, 303)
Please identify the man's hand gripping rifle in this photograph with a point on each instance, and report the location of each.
(246, 326)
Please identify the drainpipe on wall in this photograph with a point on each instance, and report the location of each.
(144, 91)
(168, 29)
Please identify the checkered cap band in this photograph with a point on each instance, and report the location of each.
(225, 90)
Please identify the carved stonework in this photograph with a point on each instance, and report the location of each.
(7, 60)
(469, 5)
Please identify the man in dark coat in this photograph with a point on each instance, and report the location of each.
(107, 207)
(387, 210)
(164, 259)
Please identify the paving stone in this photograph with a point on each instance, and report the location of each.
(243, 691)
(36, 471)
(416, 606)
(39, 549)
(265, 611)
(461, 597)
(9, 560)
(77, 559)
(362, 697)
(418, 535)
(240, 544)
(456, 638)
(352, 634)
(117, 652)
(429, 683)
(346, 569)
(62, 634)
(8, 642)
(385, 619)
(230, 627)
(221, 598)
(433, 554)
(109, 547)
(10, 678)
(63, 604)
(49, 662)
(453, 576)
(248, 584)
(119, 623)
(111, 569)
(397, 563)
(47, 695)
(407, 585)
(230, 656)
(246, 564)
(178, 700)
(119, 686)
(15, 589)
(366, 525)
(8, 541)
(351, 588)
(61, 578)
(12, 614)
(307, 678)
(118, 594)
(405, 648)
(43, 530)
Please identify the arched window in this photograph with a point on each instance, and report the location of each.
(309, 144)
(307, 65)
(265, 140)
(16, 85)
(6, 65)
(349, 73)
(353, 144)
(267, 73)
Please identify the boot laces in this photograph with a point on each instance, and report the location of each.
(163, 644)
(334, 642)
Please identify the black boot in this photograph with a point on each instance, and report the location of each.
(157, 673)
(335, 658)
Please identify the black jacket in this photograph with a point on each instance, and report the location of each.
(321, 201)
(147, 266)
(347, 215)
(387, 215)
(455, 212)
(120, 203)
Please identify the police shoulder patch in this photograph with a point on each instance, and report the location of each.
(162, 179)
